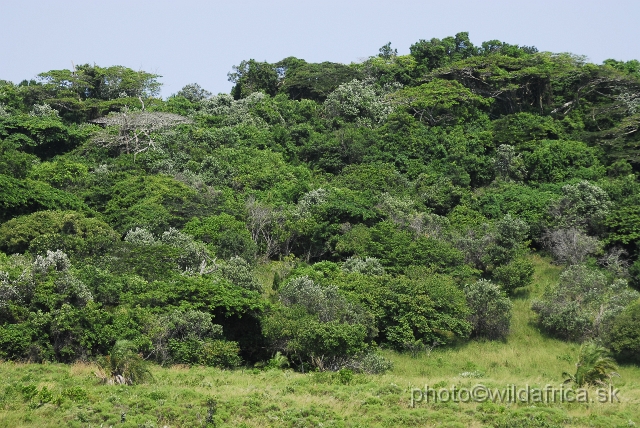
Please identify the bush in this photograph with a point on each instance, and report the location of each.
(20, 197)
(18, 340)
(594, 367)
(571, 246)
(317, 324)
(324, 345)
(518, 273)
(228, 237)
(153, 202)
(583, 304)
(69, 231)
(189, 254)
(624, 337)
(220, 353)
(397, 249)
(432, 309)
(370, 362)
(59, 174)
(509, 240)
(583, 206)
(215, 353)
(123, 366)
(180, 336)
(561, 160)
(43, 284)
(366, 266)
(238, 272)
(324, 301)
(490, 310)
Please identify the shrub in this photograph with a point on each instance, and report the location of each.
(571, 246)
(583, 205)
(153, 202)
(583, 304)
(432, 309)
(509, 240)
(397, 249)
(182, 336)
(238, 272)
(278, 361)
(370, 362)
(215, 353)
(360, 101)
(317, 324)
(187, 254)
(594, 367)
(123, 366)
(518, 273)
(17, 340)
(43, 284)
(561, 160)
(366, 266)
(220, 353)
(228, 237)
(324, 345)
(323, 301)
(19, 197)
(490, 310)
(624, 337)
(59, 174)
(69, 231)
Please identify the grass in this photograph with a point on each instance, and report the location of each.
(53, 395)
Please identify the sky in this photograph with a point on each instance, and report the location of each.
(198, 41)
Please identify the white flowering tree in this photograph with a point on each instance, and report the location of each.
(360, 101)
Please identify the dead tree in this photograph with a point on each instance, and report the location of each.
(132, 131)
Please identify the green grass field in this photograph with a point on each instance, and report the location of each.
(54, 395)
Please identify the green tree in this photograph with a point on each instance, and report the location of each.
(558, 160)
(69, 231)
(508, 164)
(437, 53)
(19, 197)
(155, 202)
(440, 102)
(490, 308)
(253, 76)
(91, 81)
(624, 337)
(227, 236)
(583, 304)
(313, 81)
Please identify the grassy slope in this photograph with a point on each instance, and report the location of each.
(252, 398)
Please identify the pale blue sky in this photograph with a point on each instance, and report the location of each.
(199, 41)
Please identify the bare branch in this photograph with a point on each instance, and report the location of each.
(134, 129)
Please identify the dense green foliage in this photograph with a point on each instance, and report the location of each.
(624, 338)
(319, 211)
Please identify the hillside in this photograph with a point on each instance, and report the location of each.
(463, 214)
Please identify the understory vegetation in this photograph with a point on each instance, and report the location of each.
(325, 233)
(75, 395)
